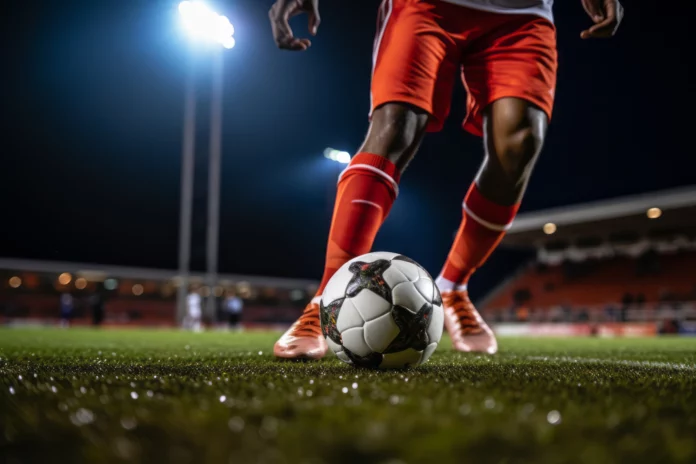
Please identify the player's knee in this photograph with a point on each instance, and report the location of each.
(395, 132)
(518, 150)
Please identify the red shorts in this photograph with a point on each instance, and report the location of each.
(422, 44)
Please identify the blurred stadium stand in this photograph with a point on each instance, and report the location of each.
(628, 260)
(30, 294)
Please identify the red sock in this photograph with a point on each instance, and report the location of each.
(366, 191)
(483, 227)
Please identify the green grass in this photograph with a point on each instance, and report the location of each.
(619, 401)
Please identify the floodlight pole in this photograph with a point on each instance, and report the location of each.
(215, 160)
(186, 207)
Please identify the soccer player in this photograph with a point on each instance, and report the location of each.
(505, 52)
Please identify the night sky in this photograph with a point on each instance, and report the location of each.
(92, 103)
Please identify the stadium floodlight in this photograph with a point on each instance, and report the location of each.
(202, 23)
(339, 156)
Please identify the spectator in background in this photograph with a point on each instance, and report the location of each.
(233, 307)
(640, 300)
(522, 314)
(194, 310)
(67, 307)
(96, 303)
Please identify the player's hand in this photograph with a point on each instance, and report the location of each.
(280, 14)
(606, 14)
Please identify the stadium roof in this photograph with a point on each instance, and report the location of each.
(100, 272)
(619, 219)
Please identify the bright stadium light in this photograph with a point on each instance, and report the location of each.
(654, 213)
(550, 228)
(202, 23)
(339, 156)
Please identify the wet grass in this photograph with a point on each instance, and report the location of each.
(162, 396)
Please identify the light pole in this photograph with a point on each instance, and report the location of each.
(202, 25)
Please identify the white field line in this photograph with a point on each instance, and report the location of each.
(619, 362)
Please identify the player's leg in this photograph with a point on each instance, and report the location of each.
(366, 191)
(514, 130)
(405, 103)
(511, 80)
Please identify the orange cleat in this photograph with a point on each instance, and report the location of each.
(466, 327)
(304, 339)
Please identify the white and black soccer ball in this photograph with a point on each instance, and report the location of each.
(382, 310)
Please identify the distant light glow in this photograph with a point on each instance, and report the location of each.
(64, 278)
(202, 23)
(81, 283)
(15, 282)
(654, 213)
(138, 289)
(110, 284)
(339, 156)
(550, 228)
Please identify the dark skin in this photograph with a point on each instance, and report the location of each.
(514, 129)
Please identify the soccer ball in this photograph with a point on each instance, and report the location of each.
(382, 310)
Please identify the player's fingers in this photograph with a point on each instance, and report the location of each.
(601, 30)
(592, 10)
(314, 21)
(296, 44)
(606, 28)
(282, 33)
(615, 10)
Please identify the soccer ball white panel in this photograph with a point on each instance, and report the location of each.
(437, 322)
(393, 276)
(406, 358)
(410, 270)
(428, 352)
(335, 347)
(343, 357)
(348, 316)
(426, 288)
(370, 305)
(424, 274)
(406, 295)
(354, 341)
(380, 332)
(336, 288)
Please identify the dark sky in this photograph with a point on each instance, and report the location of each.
(92, 102)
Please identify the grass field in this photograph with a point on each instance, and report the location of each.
(160, 396)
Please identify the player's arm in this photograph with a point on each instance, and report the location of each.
(280, 14)
(606, 15)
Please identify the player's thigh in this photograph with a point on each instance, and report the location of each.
(415, 61)
(519, 60)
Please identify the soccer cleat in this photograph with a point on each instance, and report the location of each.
(465, 325)
(304, 339)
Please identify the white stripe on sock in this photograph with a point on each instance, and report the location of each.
(376, 171)
(371, 203)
